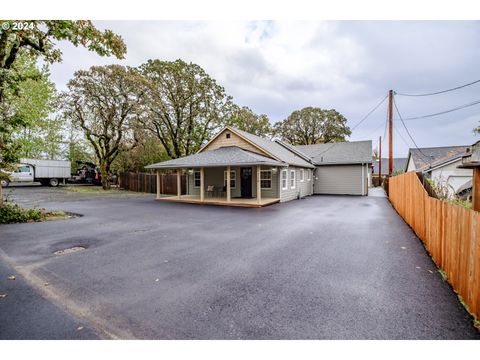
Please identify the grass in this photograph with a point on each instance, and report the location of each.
(98, 190)
(12, 213)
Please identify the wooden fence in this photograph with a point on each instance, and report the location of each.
(146, 182)
(450, 233)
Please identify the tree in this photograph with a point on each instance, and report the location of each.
(375, 154)
(313, 126)
(39, 37)
(148, 151)
(184, 106)
(104, 102)
(245, 119)
(31, 102)
(38, 40)
(477, 130)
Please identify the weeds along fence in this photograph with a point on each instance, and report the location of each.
(147, 182)
(450, 233)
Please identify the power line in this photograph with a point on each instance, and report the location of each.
(370, 112)
(476, 102)
(441, 92)
(357, 124)
(400, 135)
(408, 132)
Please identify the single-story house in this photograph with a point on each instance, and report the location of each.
(242, 169)
(441, 165)
(399, 165)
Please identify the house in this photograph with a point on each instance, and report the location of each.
(242, 169)
(440, 164)
(399, 165)
(471, 160)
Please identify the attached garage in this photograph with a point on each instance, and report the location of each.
(340, 168)
(341, 179)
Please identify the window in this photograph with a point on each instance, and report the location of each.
(292, 179)
(309, 175)
(227, 135)
(284, 179)
(265, 179)
(233, 179)
(302, 175)
(196, 179)
(23, 169)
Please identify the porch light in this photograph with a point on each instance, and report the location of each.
(274, 170)
(190, 171)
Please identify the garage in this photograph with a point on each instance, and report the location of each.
(341, 179)
(340, 168)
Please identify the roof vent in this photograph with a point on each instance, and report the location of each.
(227, 135)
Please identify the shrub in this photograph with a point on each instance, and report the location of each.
(13, 213)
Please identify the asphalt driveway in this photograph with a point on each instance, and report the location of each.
(325, 267)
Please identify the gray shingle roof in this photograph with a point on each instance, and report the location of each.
(399, 164)
(224, 156)
(427, 158)
(353, 152)
(275, 149)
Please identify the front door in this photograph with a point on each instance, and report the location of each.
(246, 182)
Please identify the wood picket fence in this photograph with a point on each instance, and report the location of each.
(450, 233)
(147, 182)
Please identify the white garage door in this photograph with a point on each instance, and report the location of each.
(340, 180)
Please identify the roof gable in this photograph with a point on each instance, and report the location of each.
(428, 158)
(256, 144)
(233, 139)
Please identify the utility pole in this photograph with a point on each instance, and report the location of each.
(390, 137)
(380, 161)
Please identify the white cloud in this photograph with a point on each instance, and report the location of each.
(278, 67)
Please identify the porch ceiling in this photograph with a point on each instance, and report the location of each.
(224, 156)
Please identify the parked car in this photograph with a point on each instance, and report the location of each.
(47, 172)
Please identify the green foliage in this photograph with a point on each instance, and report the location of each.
(148, 151)
(184, 105)
(313, 126)
(13, 213)
(105, 103)
(245, 119)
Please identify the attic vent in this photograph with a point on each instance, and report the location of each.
(227, 135)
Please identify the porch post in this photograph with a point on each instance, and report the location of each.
(202, 186)
(259, 188)
(158, 184)
(229, 197)
(179, 185)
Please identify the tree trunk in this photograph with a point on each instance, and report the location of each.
(1, 196)
(105, 173)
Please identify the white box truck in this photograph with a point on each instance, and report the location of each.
(47, 172)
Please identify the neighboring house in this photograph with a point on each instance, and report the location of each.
(239, 168)
(441, 165)
(399, 165)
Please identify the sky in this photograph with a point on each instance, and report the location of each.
(277, 67)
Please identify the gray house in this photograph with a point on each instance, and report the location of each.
(241, 169)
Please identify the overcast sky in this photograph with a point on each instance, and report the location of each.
(276, 67)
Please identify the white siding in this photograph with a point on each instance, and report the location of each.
(302, 188)
(452, 176)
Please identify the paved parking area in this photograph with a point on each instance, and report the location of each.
(325, 267)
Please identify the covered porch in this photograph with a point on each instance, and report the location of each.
(227, 176)
(242, 202)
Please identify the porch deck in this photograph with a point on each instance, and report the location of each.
(195, 199)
